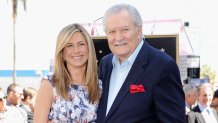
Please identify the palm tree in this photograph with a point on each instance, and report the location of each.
(209, 73)
(14, 17)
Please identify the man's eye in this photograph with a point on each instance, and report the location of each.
(125, 30)
(111, 32)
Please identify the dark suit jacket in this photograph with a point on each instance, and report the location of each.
(163, 99)
(196, 109)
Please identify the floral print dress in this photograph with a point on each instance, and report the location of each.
(75, 110)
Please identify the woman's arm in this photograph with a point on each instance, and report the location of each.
(43, 102)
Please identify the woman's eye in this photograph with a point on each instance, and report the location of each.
(69, 45)
(81, 44)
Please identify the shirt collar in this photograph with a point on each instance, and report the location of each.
(187, 105)
(131, 58)
(202, 107)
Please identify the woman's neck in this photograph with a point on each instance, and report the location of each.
(78, 76)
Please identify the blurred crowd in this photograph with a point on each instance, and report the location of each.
(17, 104)
(201, 103)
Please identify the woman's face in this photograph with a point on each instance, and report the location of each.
(76, 51)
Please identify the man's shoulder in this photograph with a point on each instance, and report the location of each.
(11, 109)
(15, 113)
(107, 57)
(152, 51)
(155, 55)
(195, 117)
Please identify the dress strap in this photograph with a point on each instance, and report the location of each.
(49, 78)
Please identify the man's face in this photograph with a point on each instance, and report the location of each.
(214, 102)
(123, 36)
(16, 96)
(192, 97)
(205, 96)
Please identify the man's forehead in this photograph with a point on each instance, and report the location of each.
(18, 89)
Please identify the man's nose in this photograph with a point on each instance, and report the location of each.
(119, 36)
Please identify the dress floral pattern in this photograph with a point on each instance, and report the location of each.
(75, 110)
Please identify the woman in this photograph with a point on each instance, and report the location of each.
(28, 102)
(72, 93)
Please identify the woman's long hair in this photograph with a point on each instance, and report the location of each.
(62, 77)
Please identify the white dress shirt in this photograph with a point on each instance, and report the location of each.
(119, 74)
(207, 114)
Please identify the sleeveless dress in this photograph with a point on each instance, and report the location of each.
(75, 110)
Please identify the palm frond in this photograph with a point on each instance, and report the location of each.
(24, 4)
(14, 8)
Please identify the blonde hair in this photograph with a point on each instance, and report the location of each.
(62, 77)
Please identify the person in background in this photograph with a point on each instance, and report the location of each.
(2, 100)
(141, 84)
(190, 96)
(72, 93)
(2, 106)
(28, 102)
(190, 91)
(214, 103)
(205, 96)
(14, 97)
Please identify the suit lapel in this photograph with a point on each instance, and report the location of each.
(200, 117)
(198, 109)
(135, 72)
(106, 82)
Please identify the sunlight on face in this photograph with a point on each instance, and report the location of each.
(123, 36)
(76, 51)
(192, 97)
(205, 96)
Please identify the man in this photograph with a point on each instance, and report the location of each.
(140, 83)
(190, 91)
(14, 96)
(190, 96)
(205, 96)
(214, 103)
